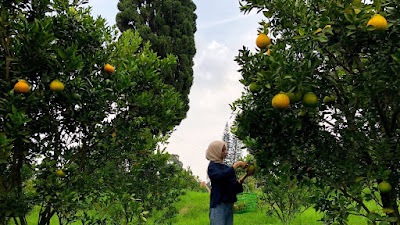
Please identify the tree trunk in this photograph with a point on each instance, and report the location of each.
(45, 216)
(22, 220)
(389, 202)
(15, 221)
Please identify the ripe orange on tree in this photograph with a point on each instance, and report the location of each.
(21, 86)
(56, 85)
(109, 69)
(280, 101)
(378, 21)
(263, 41)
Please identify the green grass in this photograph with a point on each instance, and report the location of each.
(194, 207)
(32, 218)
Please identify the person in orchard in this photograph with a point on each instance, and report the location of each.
(224, 184)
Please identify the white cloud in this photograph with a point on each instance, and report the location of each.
(224, 21)
(216, 85)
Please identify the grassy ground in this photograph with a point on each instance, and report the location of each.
(194, 206)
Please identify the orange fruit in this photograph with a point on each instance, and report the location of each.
(251, 169)
(280, 101)
(114, 134)
(254, 87)
(263, 41)
(269, 51)
(378, 21)
(60, 173)
(384, 187)
(109, 69)
(21, 86)
(56, 85)
(310, 99)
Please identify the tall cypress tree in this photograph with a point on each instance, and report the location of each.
(169, 25)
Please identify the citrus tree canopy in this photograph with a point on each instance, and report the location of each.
(81, 116)
(347, 143)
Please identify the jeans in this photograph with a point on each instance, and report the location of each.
(222, 214)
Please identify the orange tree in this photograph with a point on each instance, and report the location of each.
(87, 129)
(344, 141)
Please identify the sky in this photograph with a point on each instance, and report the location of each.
(221, 31)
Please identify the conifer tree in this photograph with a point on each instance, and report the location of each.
(169, 25)
(233, 146)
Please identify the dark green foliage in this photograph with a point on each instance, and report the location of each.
(170, 26)
(95, 130)
(325, 47)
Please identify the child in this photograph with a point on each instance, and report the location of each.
(224, 186)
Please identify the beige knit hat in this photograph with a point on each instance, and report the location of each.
(214, 151)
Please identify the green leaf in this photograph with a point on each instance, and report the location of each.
(378, 5)
(322, 38)
(348, 17)
(329, 30)
(351, 27)
(301, 31)
(395, 58)
(267, 14)
(386, 173)
(372, 216)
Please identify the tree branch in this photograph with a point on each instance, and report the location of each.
(336, 60)
(394, 119)
(382, 116)
(357, 200)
